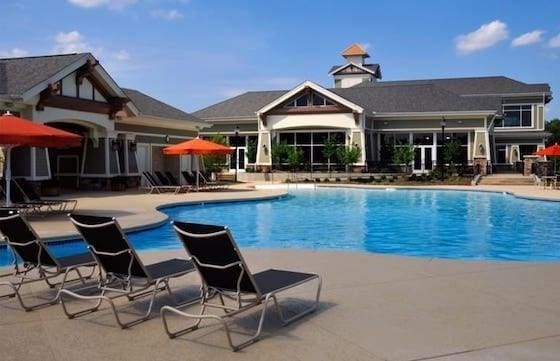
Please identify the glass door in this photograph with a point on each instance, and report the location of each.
(423, 159)
(417, 159)
(237, 160)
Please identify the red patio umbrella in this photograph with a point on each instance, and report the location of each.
(16, 131)
(199, 147)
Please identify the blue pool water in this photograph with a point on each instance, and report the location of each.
(425, 223)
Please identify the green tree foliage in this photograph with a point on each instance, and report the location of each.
(279, 152)
(452, 152)
(215, 163)
(553, 126)
(294, 158)
(348, 155)
(404, 155)
(330, 151)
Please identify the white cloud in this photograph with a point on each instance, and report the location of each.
(529, 38)
(172, 14)
(71, 42)
(121, 55)
(554, 42)
(14, 53)
(484, 37)
(111, 4)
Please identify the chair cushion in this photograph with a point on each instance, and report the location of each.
(274, 280)
(169, 268)
(76, 260)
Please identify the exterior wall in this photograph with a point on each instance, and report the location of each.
(537, 115)
(133, 128)
(432, 124)
(349, 80)
(306, 121)
(230, 128)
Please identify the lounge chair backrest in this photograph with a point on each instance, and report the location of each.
(23, 240)
(150, 178)
(28, 189)
(216, 257)
(16, 193)
(162, 179)
(109, 245)
(191, 180)
(172, 178)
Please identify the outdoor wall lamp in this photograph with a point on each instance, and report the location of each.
(265, 148)
(481, 149)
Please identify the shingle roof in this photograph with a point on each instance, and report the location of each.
(244, 105)
(149, 106)
(397, 98)
(17, 75)
(474, 85)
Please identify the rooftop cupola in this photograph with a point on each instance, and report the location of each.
(356, 70)
(355, 53)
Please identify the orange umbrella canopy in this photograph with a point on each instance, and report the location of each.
(16, 131)
(197, 146)
(553, 150)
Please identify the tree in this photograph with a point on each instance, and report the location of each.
(215, 163)
(294, 158)
(404, 155)
(452, 151)
(279, 153)
(252, 152)
(553, 126)
(349, 155)
(330, 151)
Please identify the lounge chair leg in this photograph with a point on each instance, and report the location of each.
(312, 308)
(15, 288)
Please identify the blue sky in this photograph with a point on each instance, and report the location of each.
(193, 53)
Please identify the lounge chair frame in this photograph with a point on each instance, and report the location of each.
(124, 285)
(242, 301)
(45, 272)
(64, 205)
(154, 187)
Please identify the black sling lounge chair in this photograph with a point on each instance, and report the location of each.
(64, 205)
(157, 187)
(33, 262)
(172, 179)
(123, 272)
(224, 273)
(163, 179)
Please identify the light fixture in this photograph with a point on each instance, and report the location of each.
(481, 149)
(167, 139)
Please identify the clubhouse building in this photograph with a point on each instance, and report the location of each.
(124, 130)
(497, 120)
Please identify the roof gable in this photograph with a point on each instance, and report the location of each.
(315, 87)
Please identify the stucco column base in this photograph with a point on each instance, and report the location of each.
(481, 162)
(264, 168)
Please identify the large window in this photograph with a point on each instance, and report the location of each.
(311, 99)
(311, 144)
(462, 139)
(516, 116)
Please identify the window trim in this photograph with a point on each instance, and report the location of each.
(521, 118)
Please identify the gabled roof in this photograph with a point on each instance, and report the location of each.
(152, 107)
(373, 69)
(241, 106)
(18, 75)
(319, 89)
(355, 50)
(491, 85)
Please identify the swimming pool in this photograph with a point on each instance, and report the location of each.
(424, 223)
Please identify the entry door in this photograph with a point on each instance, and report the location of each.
(237, 160)
(423, 159)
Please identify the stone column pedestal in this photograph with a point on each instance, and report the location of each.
(482, 163)
(528, 161)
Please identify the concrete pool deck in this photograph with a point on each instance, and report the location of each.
(373, 307)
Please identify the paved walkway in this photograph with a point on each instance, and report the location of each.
(374, 307)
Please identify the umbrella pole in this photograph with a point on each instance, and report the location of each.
(8, 175)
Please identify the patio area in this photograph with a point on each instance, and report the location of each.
(373, 307)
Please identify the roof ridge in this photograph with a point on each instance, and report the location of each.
(237, 96)
(43, 56)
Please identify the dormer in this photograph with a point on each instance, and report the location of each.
(356, 70)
